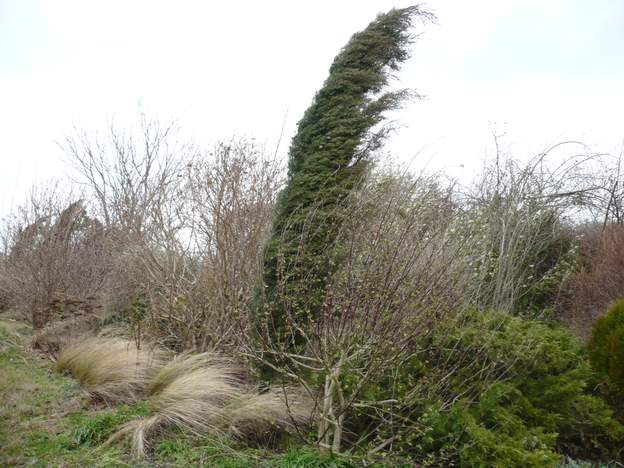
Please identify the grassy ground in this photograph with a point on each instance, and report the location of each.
(46, 421)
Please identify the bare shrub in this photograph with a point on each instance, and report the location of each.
(130, 177)
(524, 213)
(128, 172)
(606, 204)
(55, 254)
(232, 191)
(199, 265)
(189, 229)
(599, 280)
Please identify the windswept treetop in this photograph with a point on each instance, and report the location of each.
(328, 158)
(346, 108)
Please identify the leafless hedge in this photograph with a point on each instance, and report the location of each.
(189, 226)
(53, 253)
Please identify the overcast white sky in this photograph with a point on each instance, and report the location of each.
(542, 71)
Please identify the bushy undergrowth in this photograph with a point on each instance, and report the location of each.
(516, 393)
(606, 346)
(394, 366)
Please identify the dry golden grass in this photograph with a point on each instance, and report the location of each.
(206, 394)
(111, 368)
(189, 393)
(137, 432)
(187, 363)
(195, 400)
(264, 418)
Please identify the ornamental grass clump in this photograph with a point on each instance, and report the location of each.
(187, 363)
(207, 394)
(265, 418)
(112, 369)
(194, 399)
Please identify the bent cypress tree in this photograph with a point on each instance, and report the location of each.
(328, 158)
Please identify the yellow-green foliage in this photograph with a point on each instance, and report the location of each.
(606, 346)
(110, 368)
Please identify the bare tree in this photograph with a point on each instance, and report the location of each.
(54, 252)
(129, 172)
(189, 228)
(200, 271)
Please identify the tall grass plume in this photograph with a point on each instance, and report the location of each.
(112, 369)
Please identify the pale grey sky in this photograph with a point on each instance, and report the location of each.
(540, 70)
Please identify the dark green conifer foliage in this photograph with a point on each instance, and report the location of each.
(606, 346)
(328, 158)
